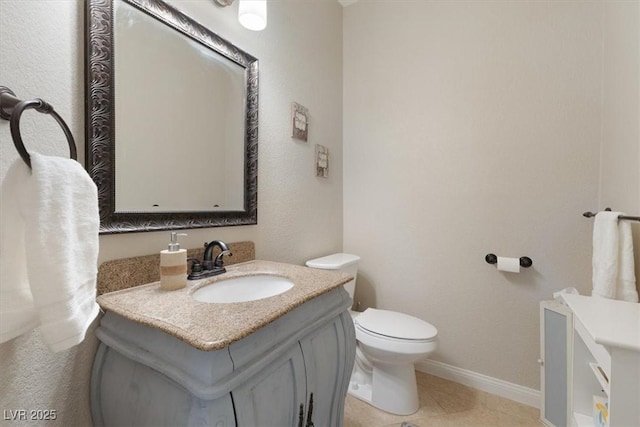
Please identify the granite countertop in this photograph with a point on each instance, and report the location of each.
(213, 326)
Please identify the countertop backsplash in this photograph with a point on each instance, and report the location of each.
(126, 273)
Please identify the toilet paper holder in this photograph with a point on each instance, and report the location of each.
(525, 261)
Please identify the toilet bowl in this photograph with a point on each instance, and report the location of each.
(388, 345)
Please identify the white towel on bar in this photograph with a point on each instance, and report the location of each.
(48, 251)
(613, 266)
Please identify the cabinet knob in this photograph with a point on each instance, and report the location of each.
(540, 362)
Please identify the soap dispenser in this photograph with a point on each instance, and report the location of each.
(173, 265)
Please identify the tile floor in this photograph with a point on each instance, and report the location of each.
(445, 403)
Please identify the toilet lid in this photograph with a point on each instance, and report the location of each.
(395, 325)
(333, 262)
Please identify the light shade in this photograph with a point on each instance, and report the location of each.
(252, 14)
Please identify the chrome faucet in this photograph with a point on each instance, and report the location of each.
(209, 267)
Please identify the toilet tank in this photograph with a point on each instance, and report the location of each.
(344, 262)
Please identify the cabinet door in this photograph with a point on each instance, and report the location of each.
(273, 396)
(556, 348)
(328, 356)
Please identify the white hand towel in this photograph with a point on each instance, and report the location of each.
(626, 282)
(17, 312)
(48, 251)
(613, 267)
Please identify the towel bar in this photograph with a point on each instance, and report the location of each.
(11, 108)
(623, 217)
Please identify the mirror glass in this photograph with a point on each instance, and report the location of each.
(164, 164)
(171, 120)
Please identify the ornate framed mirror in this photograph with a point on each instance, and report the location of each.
(171, 120)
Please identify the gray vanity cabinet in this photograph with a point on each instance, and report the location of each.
(143, 376)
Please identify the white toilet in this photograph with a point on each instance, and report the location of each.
(388, 345)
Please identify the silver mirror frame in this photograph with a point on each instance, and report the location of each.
(100, 123)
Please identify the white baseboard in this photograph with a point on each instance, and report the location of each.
(518, 393)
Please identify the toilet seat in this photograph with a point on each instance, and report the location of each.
(386, 324)
(383, 349)
(363, 334)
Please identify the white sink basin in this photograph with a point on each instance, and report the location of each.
(241, 289)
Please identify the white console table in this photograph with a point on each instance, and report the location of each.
(590, 346)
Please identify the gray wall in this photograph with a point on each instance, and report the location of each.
(475, 127)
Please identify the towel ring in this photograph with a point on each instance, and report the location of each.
(42, 107)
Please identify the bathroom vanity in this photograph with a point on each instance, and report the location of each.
(590, 358)
(284, 360)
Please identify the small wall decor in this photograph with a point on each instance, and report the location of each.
(322, 161)
(300, 122)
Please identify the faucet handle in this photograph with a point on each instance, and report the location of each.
(219, 262)
(196, 267)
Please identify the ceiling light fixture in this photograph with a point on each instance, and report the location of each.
(252, 14)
